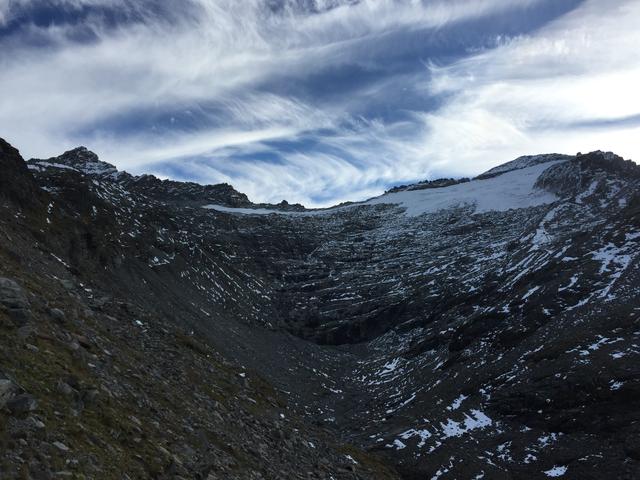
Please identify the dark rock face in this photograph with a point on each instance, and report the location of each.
(494, 335)
(439, 183)
(222, 194)
(15, 182)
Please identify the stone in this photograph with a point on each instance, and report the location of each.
(21, 404)
(67, 284)
(37, 424)
(64, 388)
(12, 295)
(217, 416)
(26, 331)
(61, 446)
(89, 396)
(7, 389)
(57, 315)
(84, 342)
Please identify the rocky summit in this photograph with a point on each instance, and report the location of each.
(484, 328)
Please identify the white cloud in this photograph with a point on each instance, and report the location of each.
(529, 94)
(536, 93)
(8, 8)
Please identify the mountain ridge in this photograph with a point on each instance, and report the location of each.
(87, 162)
(469, 341)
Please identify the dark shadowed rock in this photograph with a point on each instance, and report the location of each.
(22, 404)
(12, 296)
(16, 183)
(7, 390)
(15, 301)
(57, 315)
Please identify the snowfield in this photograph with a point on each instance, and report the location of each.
(510, 190)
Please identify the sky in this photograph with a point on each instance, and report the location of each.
(319, 101)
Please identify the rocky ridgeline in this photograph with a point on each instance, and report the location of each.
(494, 335)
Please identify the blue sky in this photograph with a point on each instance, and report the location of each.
(319, 101)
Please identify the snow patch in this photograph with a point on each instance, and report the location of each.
(457, 402)
(615, 385)
(389, 367)
(556, 471)
(422, 434)
(477, 420)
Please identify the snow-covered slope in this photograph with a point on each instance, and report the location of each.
(510, 190)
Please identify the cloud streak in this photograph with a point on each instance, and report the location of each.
(532, 93)
(318, 101)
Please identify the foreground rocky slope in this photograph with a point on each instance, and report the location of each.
(96, 385)
(474, 329)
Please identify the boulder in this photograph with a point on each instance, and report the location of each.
(22, 404)
(57, 315)
(12, 296)
(7, 390)
(61, 446)
(64, 388)
(14, 299)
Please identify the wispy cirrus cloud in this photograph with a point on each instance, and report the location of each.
(569, 87)
(316, 101)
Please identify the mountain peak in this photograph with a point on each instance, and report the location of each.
(80, 159)
(80, 152)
